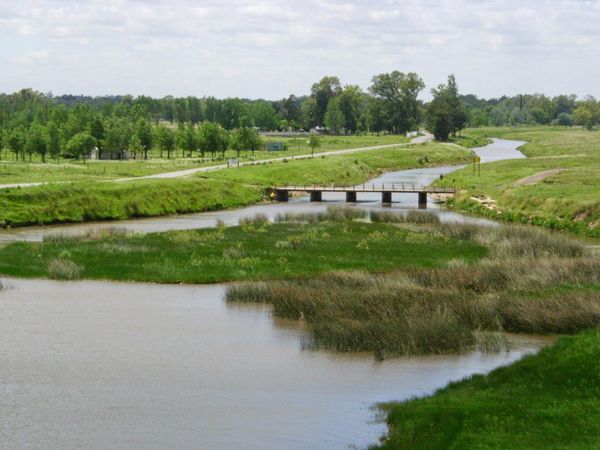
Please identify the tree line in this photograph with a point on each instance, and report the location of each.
(36, 123)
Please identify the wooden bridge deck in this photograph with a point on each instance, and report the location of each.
(384, 187)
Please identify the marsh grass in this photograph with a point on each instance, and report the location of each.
(332, 214)
(531, 282)
(64, 269)
(416, 217)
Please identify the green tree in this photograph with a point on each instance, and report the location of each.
(351, 104)
(322, 92)
(399, 92)
(187, 138)
(314, 142)
(334, 118)
(308, 113)
(212, 138)
(143, 130)
(36, 141)
(16, 141)
(165, 138)
(53, 135)
(80, 144)
(246, 139)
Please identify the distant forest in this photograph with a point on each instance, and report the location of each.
(34, 122)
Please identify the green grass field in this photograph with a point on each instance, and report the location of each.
(547, 401)
(567, 199)
(254, 250)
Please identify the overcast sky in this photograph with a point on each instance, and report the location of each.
(269, 49)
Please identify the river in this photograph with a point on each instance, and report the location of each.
(101, 365)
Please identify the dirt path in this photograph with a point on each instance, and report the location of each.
(532, 179)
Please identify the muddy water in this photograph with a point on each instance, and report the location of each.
(100, 365)
(122, 366)
(500, 149)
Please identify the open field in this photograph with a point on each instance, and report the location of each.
(77, 170)
(87, 201)
(568, 199)
(254, 250)
(549, 400)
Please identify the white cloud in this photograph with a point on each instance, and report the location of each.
(272, 48)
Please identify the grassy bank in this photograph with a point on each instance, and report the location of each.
(550, 400)
(558, 186)
(81, 202)
(530, 281)
(254, 250)
(351, 168)
(88, 201)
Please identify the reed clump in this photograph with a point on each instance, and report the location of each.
(531, 282)
(332, 214)
(417, 217)
(64, 269)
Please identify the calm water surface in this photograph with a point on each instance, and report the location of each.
(101, 365)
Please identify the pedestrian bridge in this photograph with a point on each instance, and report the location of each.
(282, 193)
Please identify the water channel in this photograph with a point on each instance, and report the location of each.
(120, 365)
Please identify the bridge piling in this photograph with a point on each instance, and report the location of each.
(422, 200)
(350, 197)
(386, 198)
(282, 195)
(316, 196)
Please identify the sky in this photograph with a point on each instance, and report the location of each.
(270, 49)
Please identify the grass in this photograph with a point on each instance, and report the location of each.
(437, 309)
(351, 168)
(471, 140)
(549, 400)
(568, 200)
(87, 201)
(81, 202)
(254, 250)
(74, 170)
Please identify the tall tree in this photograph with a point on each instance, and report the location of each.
(334, 118)
(399, 91)
(212, 138)
(322, 92)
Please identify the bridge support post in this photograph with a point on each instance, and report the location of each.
(282, 196)
(422, 200)
(316, 196)
(386, 197)
(351, 197)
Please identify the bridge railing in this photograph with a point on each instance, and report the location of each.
(384, 187)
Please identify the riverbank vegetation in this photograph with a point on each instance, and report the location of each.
(83, 202)
(256, 249)
(548, 400)
(530, 281)
(556, 187)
